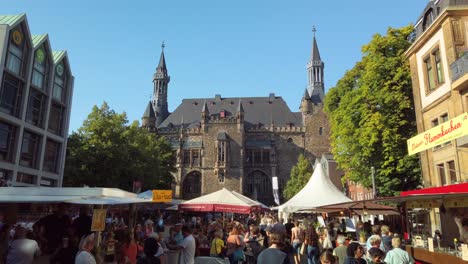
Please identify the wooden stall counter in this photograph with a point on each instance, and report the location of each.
(424, 256)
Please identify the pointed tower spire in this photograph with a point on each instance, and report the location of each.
(148, 119)
(315, 51)
(315, 72)
(161, 81)
(240, 108)
(162, 61)
(306, 95)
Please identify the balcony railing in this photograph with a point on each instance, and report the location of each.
(459, 67)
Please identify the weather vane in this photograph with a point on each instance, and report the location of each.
(314, 30)
(163, 45)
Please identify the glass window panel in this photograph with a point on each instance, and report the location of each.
(26, 178)
(10, 95)
(57, 94)
(441, 170)
(7, 140)
(29, 150)
(37, 79)
(430, 74)
(51, 156)
(452, 172)
(14, 64)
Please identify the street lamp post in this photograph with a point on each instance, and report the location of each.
(373, 181)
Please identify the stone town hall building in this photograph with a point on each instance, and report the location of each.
(239, 143)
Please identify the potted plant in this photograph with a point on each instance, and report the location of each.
(362, 236)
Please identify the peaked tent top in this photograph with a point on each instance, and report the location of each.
(319, 191)
(222, 201)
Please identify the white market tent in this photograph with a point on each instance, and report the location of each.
(81, 195)
(223, 200)
(319, 191)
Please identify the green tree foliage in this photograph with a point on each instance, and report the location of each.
(372, 115)
(300, 175)
(107, 152)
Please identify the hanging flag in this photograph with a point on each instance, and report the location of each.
(276, 190)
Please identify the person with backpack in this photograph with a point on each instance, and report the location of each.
(254, 245)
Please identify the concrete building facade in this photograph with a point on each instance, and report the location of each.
(36, 90)
(239, 143)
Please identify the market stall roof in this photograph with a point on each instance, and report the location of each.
(319, 191)
(222, 201)
(363, 207)
(79, 195)
(461, 188)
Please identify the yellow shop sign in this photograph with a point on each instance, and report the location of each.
(162, 196)
(450, 130)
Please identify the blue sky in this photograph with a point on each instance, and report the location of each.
(233, 48)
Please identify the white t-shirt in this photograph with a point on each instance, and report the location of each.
(187, 254)
(22, 251)
(84, 257)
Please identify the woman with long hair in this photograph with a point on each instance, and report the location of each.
(129, 249)
(312, 242)
(235, 245)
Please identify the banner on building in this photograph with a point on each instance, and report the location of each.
(445, 132)
(162, 196)
(99, 220)
(276, 190)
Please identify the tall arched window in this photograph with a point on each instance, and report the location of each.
(258, 186)
(191, 187)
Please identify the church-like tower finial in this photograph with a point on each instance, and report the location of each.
(315, 72)
(161, 81)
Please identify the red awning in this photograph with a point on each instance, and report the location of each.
(460, 188)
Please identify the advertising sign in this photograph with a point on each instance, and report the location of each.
(99, 220)
(162, 196)
(450, 130)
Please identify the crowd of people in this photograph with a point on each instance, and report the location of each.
(159, 238)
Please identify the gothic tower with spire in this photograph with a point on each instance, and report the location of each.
(313, 117)
(161, 81)
(315, 67)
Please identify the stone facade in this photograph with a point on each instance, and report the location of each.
(439, 69)
(241, 143)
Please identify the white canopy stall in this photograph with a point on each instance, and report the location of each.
(77, 195)
(319, 191)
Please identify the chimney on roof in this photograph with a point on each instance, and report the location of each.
(272, 97)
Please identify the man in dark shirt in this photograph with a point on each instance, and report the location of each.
(82, 224)
(55, 227)
(289, 225)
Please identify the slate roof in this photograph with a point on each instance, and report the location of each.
(257, 110)
(315, 51)
(149, 112)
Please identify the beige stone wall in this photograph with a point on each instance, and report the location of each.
(453, 102)
(316, 144)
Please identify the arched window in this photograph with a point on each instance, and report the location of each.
(191, 187)
(428, 18)
(258, 186)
